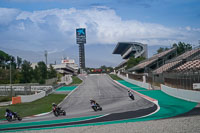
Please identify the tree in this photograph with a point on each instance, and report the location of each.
(4, 58)
(162, 50)
(42, 72)
(52, 72)
(134, 61)
(182, 47)
(35, 75)
(26, 72)
(19, 62)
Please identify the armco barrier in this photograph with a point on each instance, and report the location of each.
(16, 100)
(188, 95)
(30, 98)
(141, 84)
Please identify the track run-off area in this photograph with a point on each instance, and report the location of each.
(117, 106)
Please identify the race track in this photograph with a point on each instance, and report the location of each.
(113, 98)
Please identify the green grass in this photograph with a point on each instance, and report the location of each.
(39, 106)
(5, 98)
(75, 81)
(114, 77)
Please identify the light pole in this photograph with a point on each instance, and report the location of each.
(45, 54)
(11, 79)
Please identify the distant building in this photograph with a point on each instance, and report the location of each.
(67, 66)
(130, 49)
(33, 65)
(70, 63)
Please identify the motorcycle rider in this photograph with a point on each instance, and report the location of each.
(94, 103)
(55, 107)
(9, 113)
(130, 94)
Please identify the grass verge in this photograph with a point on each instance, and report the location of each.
(37, 107)
(114, 77)
(75, 81)
(5, 98)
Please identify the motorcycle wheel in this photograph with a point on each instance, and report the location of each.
(100, 108)
(19, 118)
(55, 113)
(94, 108)
(64, 113)
(132, 98)
(8, 119)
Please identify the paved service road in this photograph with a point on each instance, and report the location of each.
(113, 98)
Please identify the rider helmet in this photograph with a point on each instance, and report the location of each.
(53, 104)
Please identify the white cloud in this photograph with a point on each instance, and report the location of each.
(55, 28)
(7, 15)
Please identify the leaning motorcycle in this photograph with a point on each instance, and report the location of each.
(132, 96)
(96, 107)
(12, 117)
(58, 111)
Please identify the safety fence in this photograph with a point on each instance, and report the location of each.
(182, 80)
(26, 89)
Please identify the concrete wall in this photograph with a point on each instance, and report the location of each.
(141, 84)
(67, 79)
(30, 98)
(188, 95)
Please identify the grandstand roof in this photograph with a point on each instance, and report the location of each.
(127, 49)
(173, 63)
(152, 60)
(121, 47)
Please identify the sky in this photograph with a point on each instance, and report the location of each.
(38, 25)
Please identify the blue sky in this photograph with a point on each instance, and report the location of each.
(40, 25)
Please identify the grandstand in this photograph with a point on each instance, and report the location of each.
(176, 62)
(154, 62)
(167, 68)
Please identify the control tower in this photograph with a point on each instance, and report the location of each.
(81, 40)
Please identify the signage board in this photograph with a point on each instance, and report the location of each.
(80, 35)
(196, 85)
(68, 61)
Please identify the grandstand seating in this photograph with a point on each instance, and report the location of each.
(152, 59)
(171, 64)
(166, 67)
(190, 65)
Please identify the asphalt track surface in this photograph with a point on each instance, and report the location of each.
(113, 98)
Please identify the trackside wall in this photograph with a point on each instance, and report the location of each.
(188, 95)
(30, 98)
(141, 84)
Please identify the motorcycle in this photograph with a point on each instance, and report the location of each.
(58, 111)
(131, 96)
(96, 107)
(13, 116)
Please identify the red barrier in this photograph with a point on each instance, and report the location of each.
(16, 100)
